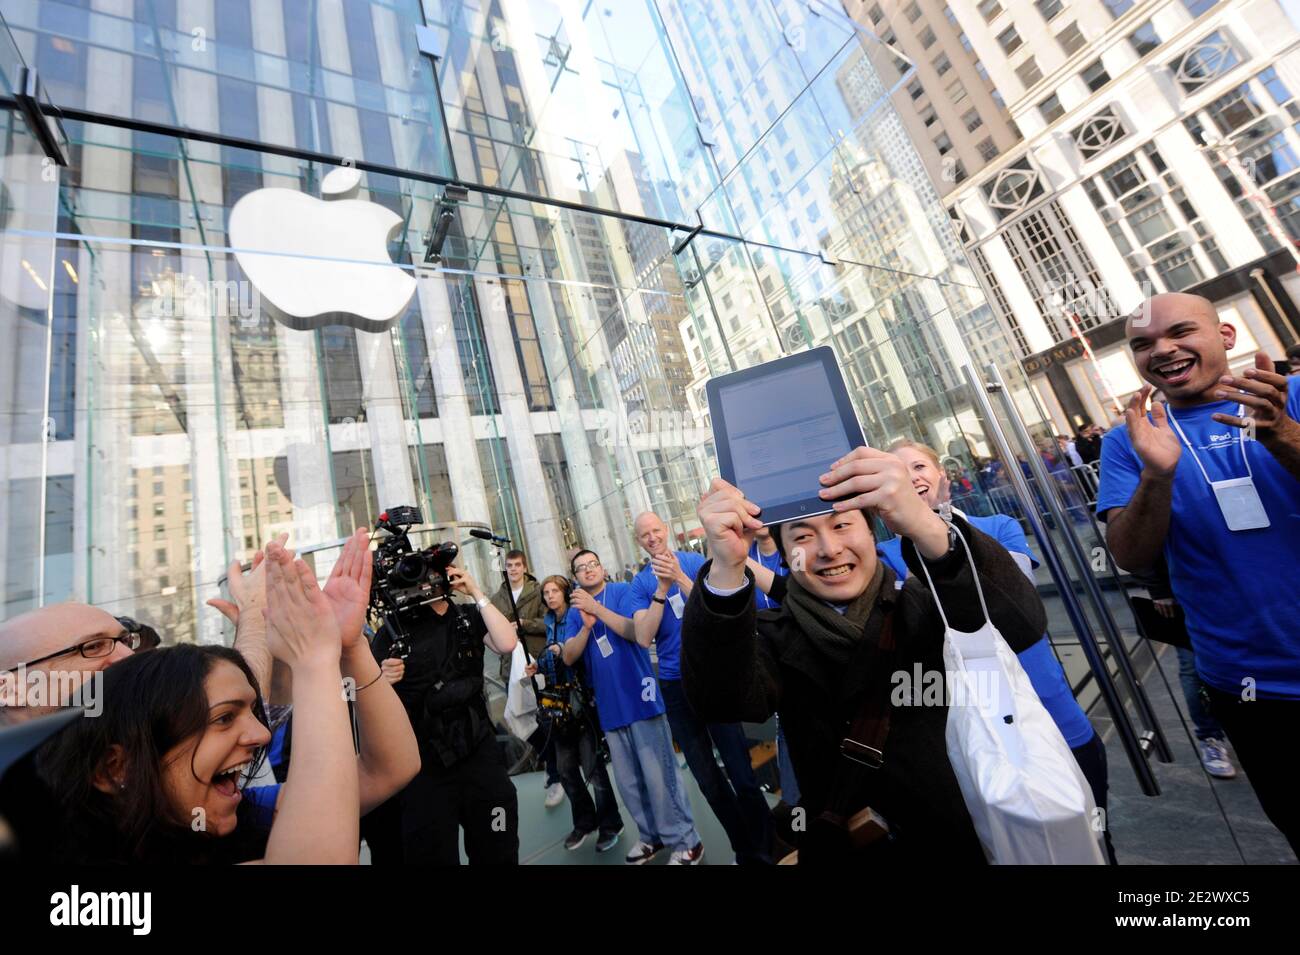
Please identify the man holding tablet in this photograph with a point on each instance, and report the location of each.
(825, 659)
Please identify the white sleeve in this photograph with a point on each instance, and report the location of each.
(718, 592)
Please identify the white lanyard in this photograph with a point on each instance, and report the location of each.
(1241, 413)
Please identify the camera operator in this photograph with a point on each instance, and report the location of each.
(462, 780)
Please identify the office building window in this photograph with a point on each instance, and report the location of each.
(964, 40)
(1048, 8)
(956, 92)
(915, 89)
(876, 13)
(913, 12)
(987, 149)
(1117, 8)
(1207, 60)
(1098, 133)
(989, 9)
(928, 116)
(982, 70)
(1029, 73)
(1144, 39)
(972, 120)
(927, 38)
(943, 144)
(1051, 109)
(1198, 7)
(1009, 40)
(1060, 274)
(942, 64)
(1095, 76)
(1070, 39)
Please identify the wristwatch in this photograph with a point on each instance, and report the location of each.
(658, 600)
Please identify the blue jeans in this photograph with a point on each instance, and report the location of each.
(645, 771)
(734, 797)
(1207, 727)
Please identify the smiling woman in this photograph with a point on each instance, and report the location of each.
(154, 778)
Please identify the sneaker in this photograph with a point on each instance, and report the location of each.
(643, 853)
(575, 839)
(608, 840)
(1214, 757)
(554, 795)
(688, 856)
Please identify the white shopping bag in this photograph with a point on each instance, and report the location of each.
(521, 702)
(1026, 795)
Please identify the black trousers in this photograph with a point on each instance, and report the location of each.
(475, 795)
(1263, 733)
(578, 757)
(1091, 757)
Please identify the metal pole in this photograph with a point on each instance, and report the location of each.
(1113, 637)
(1073, 608)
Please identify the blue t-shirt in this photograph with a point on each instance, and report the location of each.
(1238, 589)
(1040, 663)
(772, 562)
(261, 802)
(624, 681)
(668, 639)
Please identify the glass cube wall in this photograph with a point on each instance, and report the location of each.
(654, 192)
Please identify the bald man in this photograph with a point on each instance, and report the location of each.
(61, 645)
(659, 594)
(1213, 482)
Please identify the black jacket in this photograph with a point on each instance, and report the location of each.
(742, 665)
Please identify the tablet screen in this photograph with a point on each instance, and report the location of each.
(785, 430)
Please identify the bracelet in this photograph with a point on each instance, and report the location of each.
(658, 600)
(372, 682)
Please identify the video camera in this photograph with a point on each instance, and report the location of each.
(405, 578)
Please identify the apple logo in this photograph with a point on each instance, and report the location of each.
(321, 262)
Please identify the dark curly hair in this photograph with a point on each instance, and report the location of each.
(153, 701)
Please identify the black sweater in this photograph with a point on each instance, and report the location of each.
(741, 665)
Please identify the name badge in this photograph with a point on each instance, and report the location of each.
(1240, 504)
(678, 605)
(602, 644)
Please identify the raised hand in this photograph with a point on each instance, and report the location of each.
(1263, 392)
(585, 603)
(303, 630)
(1153, 440)
(247, 590)
(667, 568)
(867, 478)
(462, 582)
(729, 522)
(348, 588)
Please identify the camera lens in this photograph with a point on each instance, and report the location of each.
(410, 569)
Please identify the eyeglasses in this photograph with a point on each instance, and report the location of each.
(589, 565)
(136, 636)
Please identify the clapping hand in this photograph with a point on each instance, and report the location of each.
(348, 588)
(303, 630)
(1263, 392)
(247, 590)
(1153, 440)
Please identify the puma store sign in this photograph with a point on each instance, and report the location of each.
(133, 909)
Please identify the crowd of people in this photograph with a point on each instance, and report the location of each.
(314, 731)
